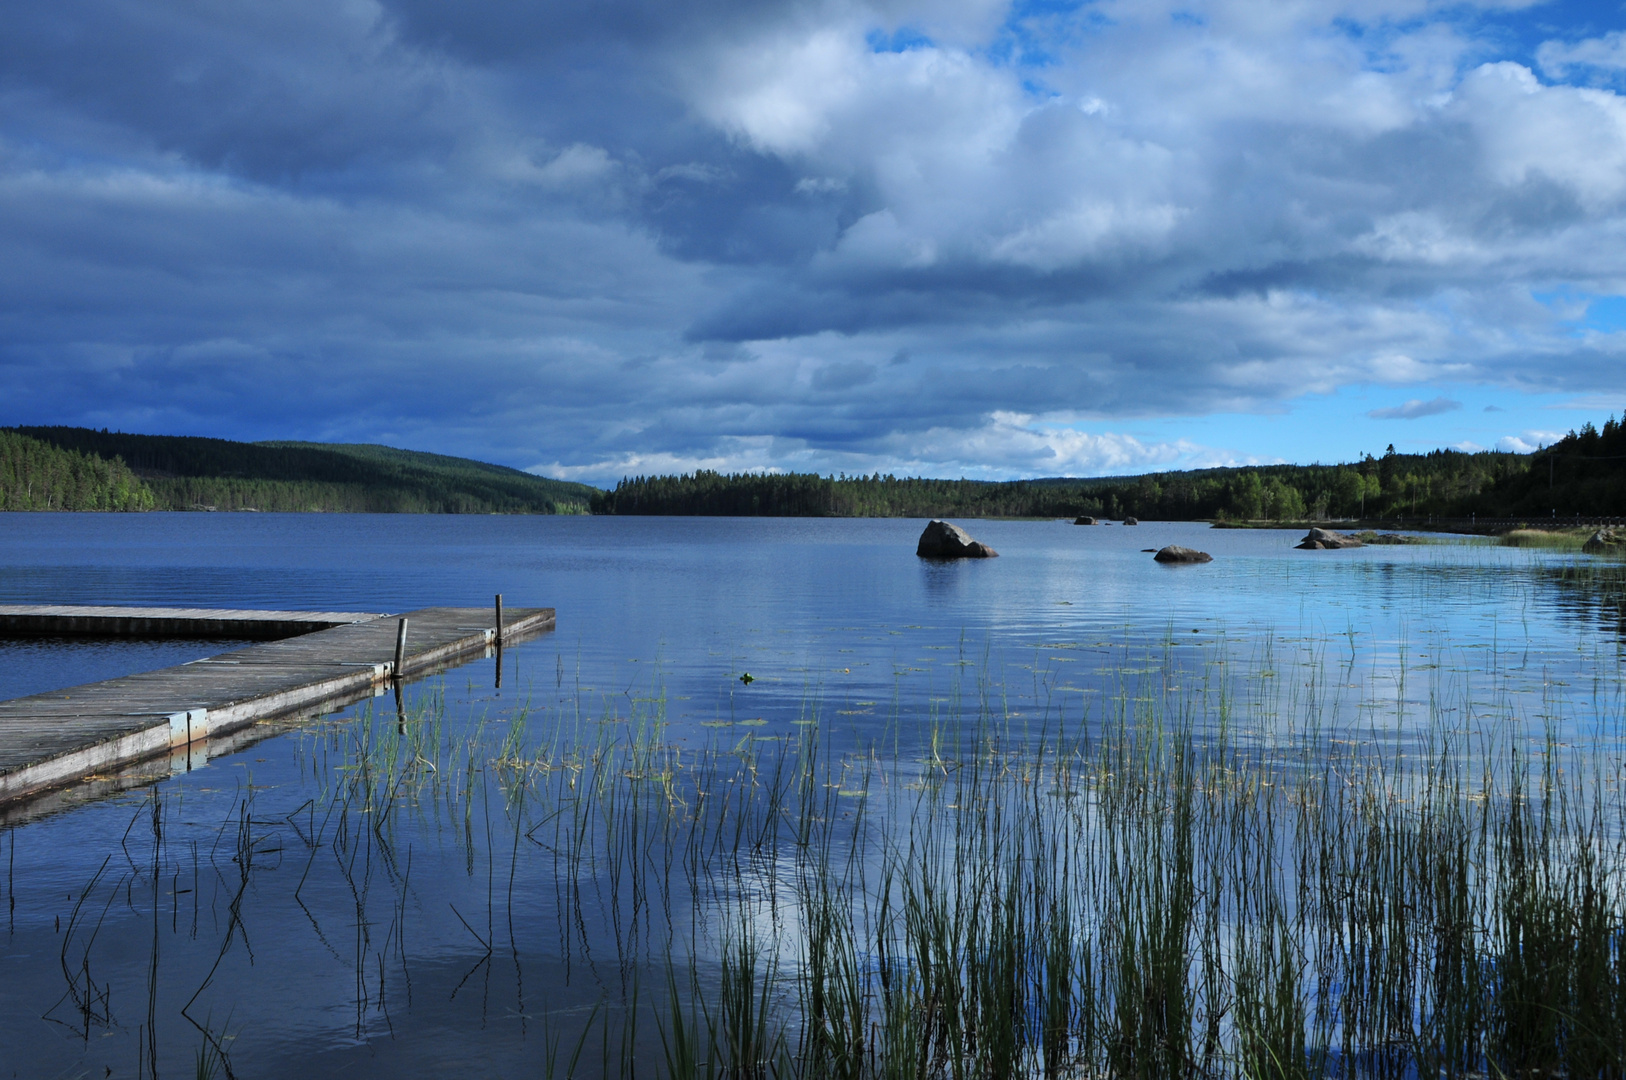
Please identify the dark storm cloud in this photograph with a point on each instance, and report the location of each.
(600, 237)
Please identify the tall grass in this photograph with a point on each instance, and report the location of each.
(1141, 896)
(1554, 539)
(1168, 886)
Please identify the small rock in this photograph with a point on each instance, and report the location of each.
(940, 540)
(1131, 521)
(1604, 540)
(1327, 540)
(1149, 551)
(1085, 519)
(1174, 553)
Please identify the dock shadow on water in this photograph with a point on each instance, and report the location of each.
(1244, 859)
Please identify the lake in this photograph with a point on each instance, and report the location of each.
(350, 896)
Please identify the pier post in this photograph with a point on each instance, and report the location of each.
(400, 647)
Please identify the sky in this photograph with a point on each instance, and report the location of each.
(602, 238)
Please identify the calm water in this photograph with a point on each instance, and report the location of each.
(444, 954)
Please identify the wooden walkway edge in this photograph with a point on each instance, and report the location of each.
(86, 620)
(53, 739)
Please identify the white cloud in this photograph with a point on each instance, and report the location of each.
(1559, 58)
(1416, 409)
(819, 185)
(1015, 444)
(1575, 137)
(576, 164)
(739, 455)
(1527, 442)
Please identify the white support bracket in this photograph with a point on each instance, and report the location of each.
(188, 727)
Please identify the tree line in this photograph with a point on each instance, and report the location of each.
(38, 476)
(61, 468)
(1583, 473)
(66, 468)
(1441, 483)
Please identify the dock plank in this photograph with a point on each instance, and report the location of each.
(52, 739)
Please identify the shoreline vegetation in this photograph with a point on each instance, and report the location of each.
(65, 468)
(1205, 876)
(62, 468)
(1583, 474)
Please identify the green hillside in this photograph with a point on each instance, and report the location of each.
(187, 472)
(38, 476)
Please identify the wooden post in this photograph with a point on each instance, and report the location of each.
(499, 641)
(400, 646)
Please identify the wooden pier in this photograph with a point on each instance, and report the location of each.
(55, 739)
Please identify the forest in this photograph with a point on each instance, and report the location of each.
(38, 476)
(1583, 473)
(1445, 483)
(67, 468)
(84, 469)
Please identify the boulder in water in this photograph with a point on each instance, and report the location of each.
(1085, 519)
(1174, 553)
(941, 540)
(1605, 541)
(1131, 521)
(1327, 540)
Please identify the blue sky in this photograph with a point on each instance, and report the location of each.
(957, 237)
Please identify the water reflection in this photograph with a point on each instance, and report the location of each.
(506, 866)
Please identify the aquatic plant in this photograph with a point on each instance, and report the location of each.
(1209, 872)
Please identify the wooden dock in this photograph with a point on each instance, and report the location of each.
(55, 739)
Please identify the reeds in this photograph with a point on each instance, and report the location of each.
(1204, 877)
(1141, 896)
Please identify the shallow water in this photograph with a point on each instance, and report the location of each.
(317, 951)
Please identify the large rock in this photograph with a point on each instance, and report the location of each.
(1131, 521)
(1174, 553)
(1327, 540)
(1085, 519)
(1605, 541)
(944, 541)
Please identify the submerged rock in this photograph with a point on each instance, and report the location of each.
(1085, 519)
(1327, 540)
(1174, 553)
(1606, 540)
(941, 540)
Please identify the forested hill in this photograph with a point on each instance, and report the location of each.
(38, 476)
(1444, 482)
(186, 472)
